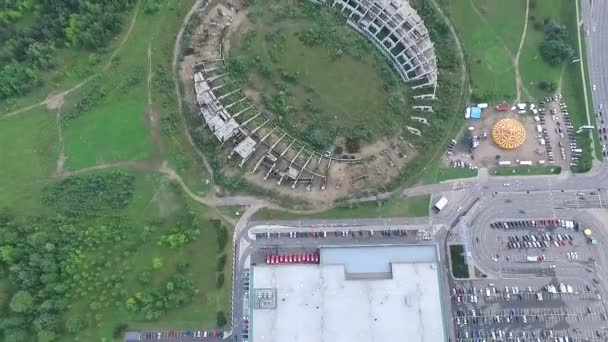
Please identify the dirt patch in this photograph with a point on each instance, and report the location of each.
(54, 102)
(165, 200)
(59, 168)
(152, 117)
(240, 24)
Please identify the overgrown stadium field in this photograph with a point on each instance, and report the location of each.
(320, 78)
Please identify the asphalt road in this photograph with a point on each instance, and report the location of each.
(595, 20)
(594, 14)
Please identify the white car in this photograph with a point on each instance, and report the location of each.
(594, 87)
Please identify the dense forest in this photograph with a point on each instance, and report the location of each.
(31, 31)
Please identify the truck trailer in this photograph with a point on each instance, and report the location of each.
(440, 204)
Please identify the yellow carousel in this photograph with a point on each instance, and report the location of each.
(509, 134)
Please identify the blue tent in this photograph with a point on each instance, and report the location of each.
(475, 113)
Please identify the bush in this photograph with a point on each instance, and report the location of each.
(547, 86)
(220, 319)
(221, 262)
(220, 280)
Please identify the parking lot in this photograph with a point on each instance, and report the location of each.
(547, 288)
(536, 309)
(543, 241)
(173, 335)
(340, 235)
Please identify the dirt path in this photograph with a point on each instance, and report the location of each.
(519, 84)
(52, 99)
(176, 81)
(150, 73)
(62, 158)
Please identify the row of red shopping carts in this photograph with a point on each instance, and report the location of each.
(300, 258)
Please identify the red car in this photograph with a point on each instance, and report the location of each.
(281, 259)
(268, 259)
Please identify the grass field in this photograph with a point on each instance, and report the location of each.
(110, 132)
(458, 262)
(525, 170)
(490, 42)
(438, 173)
(29, 153)
(417, 206)
(332, 87)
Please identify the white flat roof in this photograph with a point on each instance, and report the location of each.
(246, 147)
(227, 130)
(317, 303)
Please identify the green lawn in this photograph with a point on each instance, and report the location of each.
(417, 206)
(112, 131)
(458, 262)
(28, 158)
(490, 31)
(437, 172)
(328, 92)
(525, 170)
(533, 68)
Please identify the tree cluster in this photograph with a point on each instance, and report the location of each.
(175, 292)
(186, 229)
(555, 47)
(26, 50)
(47, 264)
(88, 195)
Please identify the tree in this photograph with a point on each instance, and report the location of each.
(151, 6)
(16, 79)
(46, 336)
(74, 324)
(170, 286)
(157, 263)
(21, 301)
(145, 277)
(15, 335)
(555, 47)
(556, 51)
